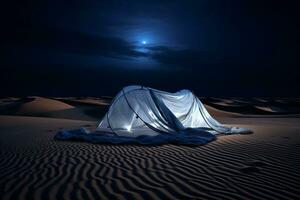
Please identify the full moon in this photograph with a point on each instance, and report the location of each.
(144, 42)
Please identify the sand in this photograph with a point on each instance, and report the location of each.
(263, 165)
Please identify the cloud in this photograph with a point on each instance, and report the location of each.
(182, 58)
(57, 40)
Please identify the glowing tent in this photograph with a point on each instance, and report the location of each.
(142, 111)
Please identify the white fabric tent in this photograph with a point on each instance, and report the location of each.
(138, 110)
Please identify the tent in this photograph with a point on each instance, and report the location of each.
(143, 111)
(144, 115)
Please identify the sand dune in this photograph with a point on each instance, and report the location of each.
(219, 113)
(255, 106)
(264, 165)
(89, 100)
(46, 107)
(271, 109)
(34, 106)
(39, 105)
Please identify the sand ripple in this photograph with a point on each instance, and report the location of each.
(69, 170)
(232, 167)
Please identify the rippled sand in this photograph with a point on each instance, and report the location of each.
(264, 165)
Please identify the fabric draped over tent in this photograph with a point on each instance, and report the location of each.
(148, 116)
(138, 110)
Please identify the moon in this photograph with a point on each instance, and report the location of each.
(144, 42)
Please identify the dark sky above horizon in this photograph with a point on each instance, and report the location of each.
(92, 47)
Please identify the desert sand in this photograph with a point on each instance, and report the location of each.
(263, 165)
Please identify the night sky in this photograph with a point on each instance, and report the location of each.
(94, 48)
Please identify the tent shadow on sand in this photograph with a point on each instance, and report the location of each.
(142, 115)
